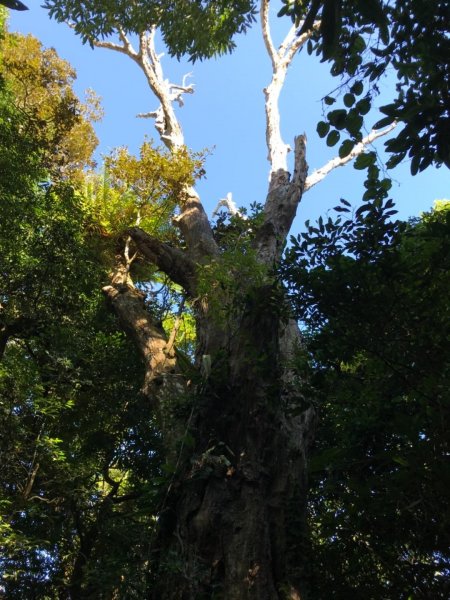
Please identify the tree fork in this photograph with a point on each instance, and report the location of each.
(224, 527)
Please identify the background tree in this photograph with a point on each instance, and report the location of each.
(78, 447)
(372, 294)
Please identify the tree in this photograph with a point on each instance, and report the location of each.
(41, 84)
(74, 444)
(234, 423)
(373, 294)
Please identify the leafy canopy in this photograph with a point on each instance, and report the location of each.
(199, 29)
(41, 84)
(79, 453)
(372, 295)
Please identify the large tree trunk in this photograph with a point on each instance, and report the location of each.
(224, 528)
(227, 522)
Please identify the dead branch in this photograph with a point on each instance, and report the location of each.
(281, 60)
(336, 162)
(281, 206)
(230, 205)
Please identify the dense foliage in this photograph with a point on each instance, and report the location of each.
(84, 486)
(199, 29)
(373, 297)
(364, 40)
(79, 462)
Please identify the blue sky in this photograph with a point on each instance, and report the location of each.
(226, 115)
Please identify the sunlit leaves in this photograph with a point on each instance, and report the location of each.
(155, 174)
(142, 189)
(41, 83)
(198, 29)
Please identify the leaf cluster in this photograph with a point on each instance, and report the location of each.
(228, 280)
(79, 452)
(198, 29)
(41, 86)
(364, 40)
(372, 298)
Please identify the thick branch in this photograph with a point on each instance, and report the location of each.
(266, 32)
(170, 132)
(195, 227)
(281, 206)
(165, 119)
(126, 47)
(281, 59)
(171, 261)
(292, 47)
(192, 220)
(321, 173)
(162, 380)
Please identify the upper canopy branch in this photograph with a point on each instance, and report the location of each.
(281, 59)
(230, 205)
(126, 47)
(192, 220)
(148, 60)
(265, 24)
(281, 206)
(358, 149)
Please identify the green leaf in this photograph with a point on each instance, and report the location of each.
(337, 118)
(353, 122)
(363, 106)
(400, 461)
(357, 88)
(364, 160)
(359, 45)
(333, 138)
(415, 163)
(349, 100)
(386, 184)
(346, 147)
(322, 128)
(329, 100)
(383, 122)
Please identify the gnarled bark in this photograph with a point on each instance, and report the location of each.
(224, 528)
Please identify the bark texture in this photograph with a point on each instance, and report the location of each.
(231, 514)
(226, 528)
(223, 528)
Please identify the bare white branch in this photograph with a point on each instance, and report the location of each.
(230, 205)
(166, 122)
(297, 42)
(266, 32)
(125, 47)
(321, 173)
(281, 60)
